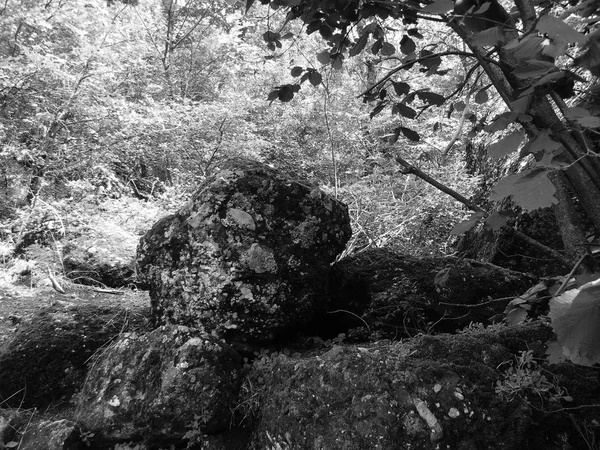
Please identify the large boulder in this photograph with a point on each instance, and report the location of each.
(469, 391)
(247, 258)
(47, 358)
(160, 386)
(383, 294)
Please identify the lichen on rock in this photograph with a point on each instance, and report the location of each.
(247, 258)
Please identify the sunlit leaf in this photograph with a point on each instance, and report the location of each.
(488, 38)
(506, 145)
(439, 7)
(575, 316)
(559, 31)
(583, 117)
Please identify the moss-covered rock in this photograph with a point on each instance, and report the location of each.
(158, 386)
(398, 295)
(430, 392)
(247, 258)
(46, 360)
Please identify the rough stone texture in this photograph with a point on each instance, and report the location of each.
(248, 257)
(398, 295)
(53, 435)
(431, 392)
(156, 385)
(47, 358)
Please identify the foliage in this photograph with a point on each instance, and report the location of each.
(525, 378)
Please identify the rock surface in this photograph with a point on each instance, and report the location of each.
(467, 391)
(160, 385)
(247, 258)
(53, 435)
(398, 295)
(47, 358)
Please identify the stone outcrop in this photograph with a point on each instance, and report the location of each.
(158, 386)
(247, 258)
(46, 360)
(398, 295)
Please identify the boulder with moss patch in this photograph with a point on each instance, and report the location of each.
(248, 257)
(161, 385)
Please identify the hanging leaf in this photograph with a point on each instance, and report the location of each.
(286, 92)
(501, 122)
(387, 49)
(533, 68)
(530, 190)
(439, 7)
(359, 46)
(575, 316)
(497, 220)
(590, 57)
(403, 110)
(324, 57)
(466, 225)
(315, 78)
(541, 143)
(559, 31)
(481, 97)
(488, 38)
(296, 71)
(377, 46)
(414, 33)
(583, 117)
(506, 145)
(249, 4)
(377, 109)
(441, 278)
(401, 88)
(273, 95)
(407, 45)
(410, 134)
(530, 47)
(431, 98)
(459, 106)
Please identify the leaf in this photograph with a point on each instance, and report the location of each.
(249, 4)
(488, 38)
(377, 46)
(315, 78)
(481, 97)
(506, 145)
(414, 32)
(273, 95)
(410, 134)
(404, 111)
(559, 31)
(497, 220)
(530, 47)
(574, 317)
(533, 68)
(439, 7)
(296, 71)
(401, 88)
(407, 45)
(530, 190)
(432, 98)
(338, 61)
(466, 225)
(459, 106)
(324, 57)
(582, 116)
(441, 278)
(377, 109)
(542, 142)
(516, 316)
(387, 49)
(359, 45)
